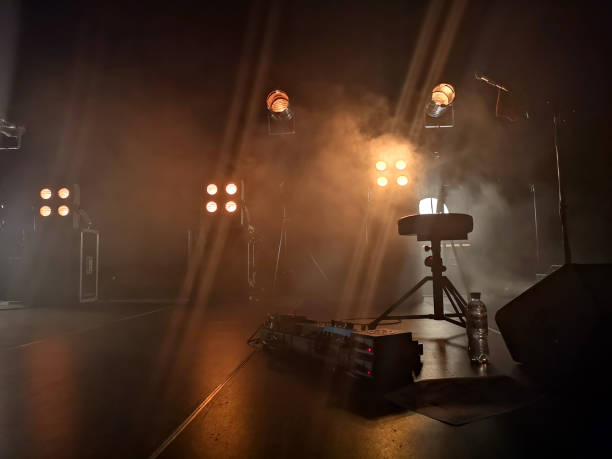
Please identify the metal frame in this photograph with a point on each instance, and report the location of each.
(441, 286)
(95, 298)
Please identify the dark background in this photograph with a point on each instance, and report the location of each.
(143, 104)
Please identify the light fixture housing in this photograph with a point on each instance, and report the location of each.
(231, 206)
(280, 116)
(402, 180)
(211, 207)
(442, 97)
(381, 165)
(46, 193)
(63, 193)
(277, 103)
(231, 188)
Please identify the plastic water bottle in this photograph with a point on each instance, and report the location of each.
(477, 329)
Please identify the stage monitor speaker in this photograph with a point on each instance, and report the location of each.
(561, 323)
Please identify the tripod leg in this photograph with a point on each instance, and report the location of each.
(282, 242)
(460, 301)
(372, 325)
(455, 306)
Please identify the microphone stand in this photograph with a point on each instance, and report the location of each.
(567, 253)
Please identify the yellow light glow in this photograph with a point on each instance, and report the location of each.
(211, 189)
(402, 180)
(277, 101)
(46, 193)
(63, 193)
(45, 211)
(400, 165)
(211, 206)
(63, 210)
(443, 94)
(381, 165)
(231, 188)
(382, 181)
(231, 206)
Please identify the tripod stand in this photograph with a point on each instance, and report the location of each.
(281, 253)
(432, 224)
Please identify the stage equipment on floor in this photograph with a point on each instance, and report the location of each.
(60, 266)
(280, 116)
(562, 322)
(439, 112)
(10, 135)
(435, 228)
(224, 198)
(387, 358)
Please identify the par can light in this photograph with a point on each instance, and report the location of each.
(63, 193)
(277, 101)
(46, 193)
(381, 165)
(442, 96)
(400, 165)
(231, 188)
(402, 180)
(382, 181)
(63, 210)
(231, 206)
(211, 206)
(45, 211)
(211, 189)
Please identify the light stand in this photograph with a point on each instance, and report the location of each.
(567, 253)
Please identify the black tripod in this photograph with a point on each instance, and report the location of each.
(441, 285)
(282, 250)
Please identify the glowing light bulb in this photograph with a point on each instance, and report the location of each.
(211, 206)
(45, 211)
(381, 165)
(400, 165)
(63, 193)
(277, 101)
(211, 189)
(382, 181)
(46, 193)
(231, 188)
(231, 206)
(63, 210)
(402, 180)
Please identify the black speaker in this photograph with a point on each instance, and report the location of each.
(562, 322)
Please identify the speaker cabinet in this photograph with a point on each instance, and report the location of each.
(562, 322)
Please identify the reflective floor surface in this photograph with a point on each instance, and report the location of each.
(116, 380)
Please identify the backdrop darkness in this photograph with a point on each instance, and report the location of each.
(132, 102)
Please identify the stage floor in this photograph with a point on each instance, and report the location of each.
(119, 379)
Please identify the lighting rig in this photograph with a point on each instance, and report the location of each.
(391, 175)
(224, 199)
(63, 253)
(439, 112)
(281, 119)
(60, 202)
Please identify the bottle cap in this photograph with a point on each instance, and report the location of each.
(475, 295)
